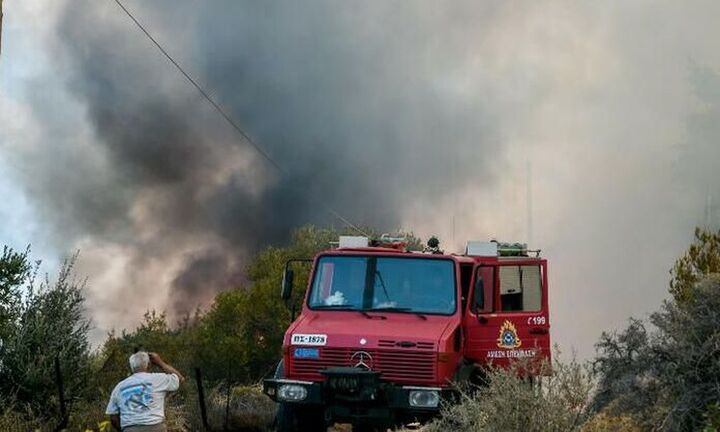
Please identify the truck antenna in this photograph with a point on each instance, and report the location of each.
(529, 201)
(1, 17)
(708, 208)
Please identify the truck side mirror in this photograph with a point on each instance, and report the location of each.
(479, 295)
(287, 284)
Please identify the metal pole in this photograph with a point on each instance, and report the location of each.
(61, 393)
(708, 209)
(227, 400)
(529, 203)
(1, 17)
(201, 398)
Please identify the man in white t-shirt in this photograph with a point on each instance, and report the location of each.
(137, 403)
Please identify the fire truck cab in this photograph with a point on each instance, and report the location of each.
(384, 333)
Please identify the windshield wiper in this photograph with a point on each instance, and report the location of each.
(350, 308)
(382, 284)
(399, 309)
(368, 316)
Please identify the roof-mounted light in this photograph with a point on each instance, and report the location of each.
(353, 242)
(494, 248)
(481, 248)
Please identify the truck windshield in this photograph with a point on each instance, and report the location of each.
(364, 283)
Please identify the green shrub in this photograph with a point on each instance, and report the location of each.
(510, 402)
(48, 323)
(666, 378)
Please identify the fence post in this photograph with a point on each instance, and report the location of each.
(228, 393)
(61, 395)
(201, 398)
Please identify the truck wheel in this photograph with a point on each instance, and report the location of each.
(364, 428)
(294, 418)
(480, 378)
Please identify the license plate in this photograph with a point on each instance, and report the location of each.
(306, 353)
(308, 339)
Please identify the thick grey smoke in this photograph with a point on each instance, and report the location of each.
(343, 99)
(422, 115)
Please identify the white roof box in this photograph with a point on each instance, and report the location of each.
(353, 242)
(481, 248)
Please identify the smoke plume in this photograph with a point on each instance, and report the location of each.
(354, 128)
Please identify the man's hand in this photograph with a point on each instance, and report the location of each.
(155, 359)
(115, 421)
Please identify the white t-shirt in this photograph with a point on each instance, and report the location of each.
(140, 398)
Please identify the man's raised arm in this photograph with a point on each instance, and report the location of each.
(159, 362)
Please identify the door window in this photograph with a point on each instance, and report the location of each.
(520, 288)
(483, 290)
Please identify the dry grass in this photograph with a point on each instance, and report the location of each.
(603, 422)
(249, 409)
(508, 403)
(13, 421)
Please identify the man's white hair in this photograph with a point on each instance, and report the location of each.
(139, 361)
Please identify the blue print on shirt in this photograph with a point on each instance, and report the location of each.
(136, 398)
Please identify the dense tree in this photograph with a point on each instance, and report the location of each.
(666, 373)
(702, 258)
(14, 271)
(46, 322)
(667, 377)
(241, 334)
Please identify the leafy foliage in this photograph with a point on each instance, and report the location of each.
(47, 323)
(621, 365)
(14, 271)
(511, 402)
(712, 417)
(241, 334)
(667, 378)
(237, 338)
(701, 259)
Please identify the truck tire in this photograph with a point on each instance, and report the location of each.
(295, 418)
(279, 370)
(365, 428)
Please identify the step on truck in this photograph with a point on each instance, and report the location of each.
(384, 334)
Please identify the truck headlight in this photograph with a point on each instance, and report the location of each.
(292, 392)
(424, 398)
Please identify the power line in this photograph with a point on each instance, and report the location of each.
(226, 116)
(212, 102)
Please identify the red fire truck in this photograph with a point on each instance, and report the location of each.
(384, 333)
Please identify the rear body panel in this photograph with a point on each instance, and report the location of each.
(495, 336)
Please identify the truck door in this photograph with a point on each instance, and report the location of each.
(480, 306)
(511, 320)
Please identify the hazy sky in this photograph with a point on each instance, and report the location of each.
(417, 115)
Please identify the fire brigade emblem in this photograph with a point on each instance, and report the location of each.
(508, 338)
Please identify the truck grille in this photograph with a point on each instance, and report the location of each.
(397, 365)
(387, 343)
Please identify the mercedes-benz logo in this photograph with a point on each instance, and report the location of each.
(362, 359)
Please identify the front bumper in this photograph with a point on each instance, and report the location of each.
(354, 395)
